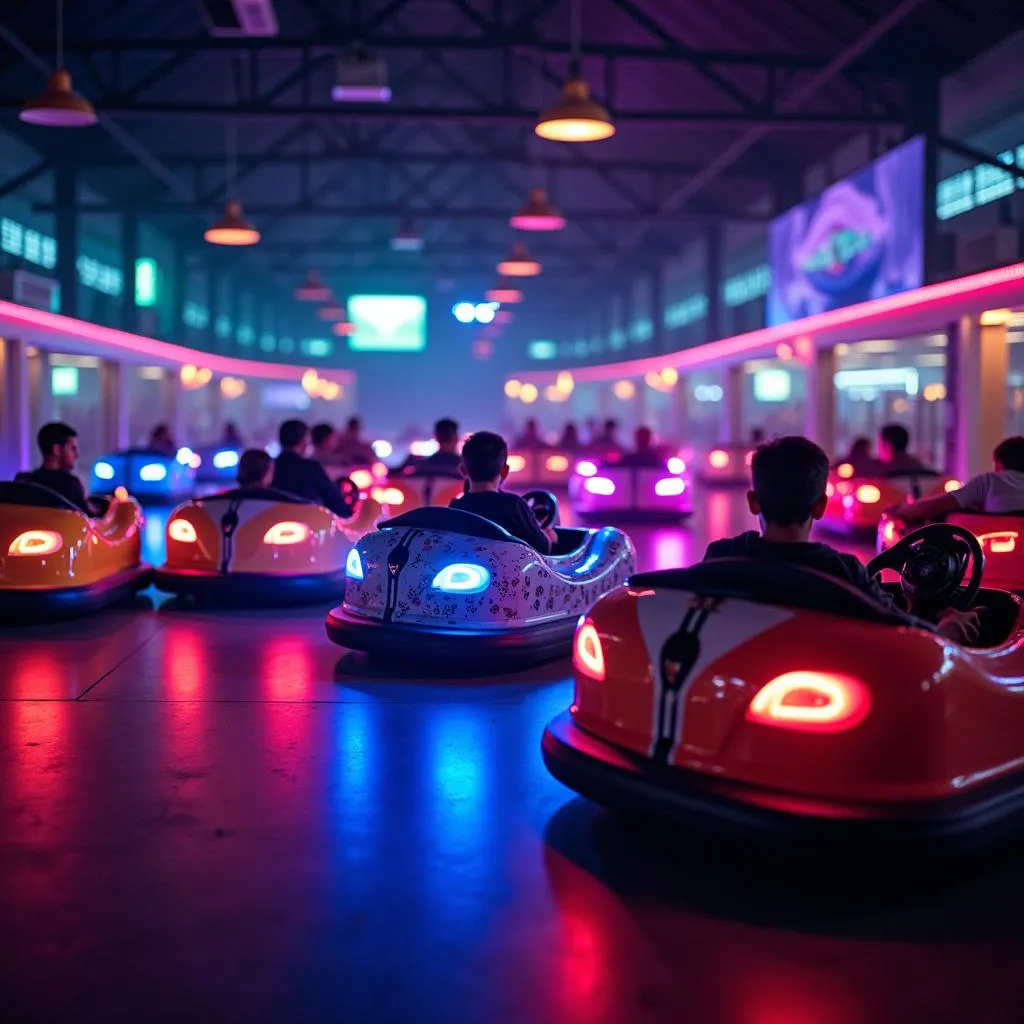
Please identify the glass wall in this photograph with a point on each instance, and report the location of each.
(68, 388)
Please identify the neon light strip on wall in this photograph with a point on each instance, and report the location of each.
(946, 301)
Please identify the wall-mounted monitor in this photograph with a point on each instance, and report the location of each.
(388, 323)
(861, 239)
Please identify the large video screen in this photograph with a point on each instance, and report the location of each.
(862, 238)
(388, 323)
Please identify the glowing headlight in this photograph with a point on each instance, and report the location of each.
(286, 533)
(36, 542)
(153, 472)
(354, 565)
(182, 531)
(103, 471)
(225, 460)
(462, 578)
(184, 456)
(676, 465)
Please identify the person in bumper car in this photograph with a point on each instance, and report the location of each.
(446, 461)
(790, 475)
(58, 444)
(255, 470)
(644, 454)
(485, 466)
(354, 450)
(1000, 492)
(296, 474)
(860, 458)
(893, 453)
(530, 437)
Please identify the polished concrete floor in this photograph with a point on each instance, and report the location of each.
(216, 818)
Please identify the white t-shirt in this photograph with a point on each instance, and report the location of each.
(993, 492)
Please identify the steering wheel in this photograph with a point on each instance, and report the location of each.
(545, 507)
(349, 490)
(932, 563)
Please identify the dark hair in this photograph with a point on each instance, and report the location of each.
(1009, 453)
(896, 436)
(321, 432)
(611, 425)
(354, 423)
(53, 434)
(643, 437)
(860, 446)
(292, 433)
(446, 431)
(253, 466)
(161, 430)
(789, 475)
(483, 455)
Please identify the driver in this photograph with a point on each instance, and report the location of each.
(485, 466)
(893, 453)
(59, 446)
(296, 474)
(790, 475)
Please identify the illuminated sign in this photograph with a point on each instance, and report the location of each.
(978, 186)
(64, 380)
(861, 239)
(317, 346)
(145, 282)
(541, 349)
(388, 323)
(98, 276)
(688, 311)
(772, 386)
(747, 286)
(195, 315)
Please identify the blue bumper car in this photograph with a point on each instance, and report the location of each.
(146, 474)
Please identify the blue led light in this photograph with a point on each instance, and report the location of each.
(462, 578)
(225, 460)
(103, 471)
(354, 565)
(588, 563)
(153, 472)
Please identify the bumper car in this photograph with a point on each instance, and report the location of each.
(771, 703)
(539, 467)
(855, 504)
(213, 464)
(260, 547)
(55, 560)
(726, 465)
(631, 492)
(413, 488)
(1001, 538)
(443, 584)
(148, 475)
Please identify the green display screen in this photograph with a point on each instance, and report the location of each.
(388, 323)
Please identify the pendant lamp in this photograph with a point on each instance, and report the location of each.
(538, 214)
(519, 263)
(58, 105)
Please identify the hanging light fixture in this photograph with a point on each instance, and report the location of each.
(504, 293)
(58, 105)
(538, 214)
(407, 238)
(232, 228)
(519, 263)
(313, 289)
(575, 117)
(331, 311)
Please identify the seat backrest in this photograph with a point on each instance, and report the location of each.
(450, 520)
(782, 584)
(256, 494)
(22, 491)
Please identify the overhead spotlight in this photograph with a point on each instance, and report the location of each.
(575, 117)
(519, 263)
(361, 78)
(58, 105)
(313, 289)
(538, 214)
(232, 228)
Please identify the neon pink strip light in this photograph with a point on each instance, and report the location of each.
(50, 329)
(941, 302)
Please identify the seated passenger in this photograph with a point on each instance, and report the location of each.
(446, 461)
(999, 492)
(570, 440)
(231, 438)
(530, 437)
(485, 466)
(354, 450)
(255, 470)
(160, 440)
(789, 477)
(645, 455)
(59, 446)
(893, 442)
(606, 444)
(325, 445)
(296, 474)
(860, 458)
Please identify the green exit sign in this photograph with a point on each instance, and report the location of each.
(146, 284)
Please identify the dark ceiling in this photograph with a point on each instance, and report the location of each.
(717, 103)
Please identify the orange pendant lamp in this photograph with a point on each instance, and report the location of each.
(519, 263)
(331, 311)
(344, 328)
(575, 117)
(58, 105)
(504, 294)
(232, 228)
(313, 289)
(538, 214)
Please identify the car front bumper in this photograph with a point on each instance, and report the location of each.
(251, 589)
(26, 604)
